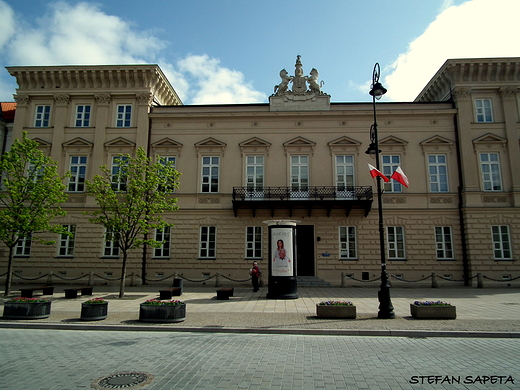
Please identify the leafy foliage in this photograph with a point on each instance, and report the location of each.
(132, 199)
(30, 193)
(157, 302)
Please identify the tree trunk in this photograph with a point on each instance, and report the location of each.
(9, 275)
(123, 276)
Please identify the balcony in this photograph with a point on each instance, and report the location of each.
(328, 198)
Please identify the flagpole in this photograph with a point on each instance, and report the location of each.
(386, 310)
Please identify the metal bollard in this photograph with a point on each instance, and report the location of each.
(132, 280)
(217, 280)
(90, 279)
(49, 279)
(343, 281)
(434, 280)
(480, 281)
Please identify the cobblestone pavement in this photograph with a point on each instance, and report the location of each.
(36, 359)
(480, 312)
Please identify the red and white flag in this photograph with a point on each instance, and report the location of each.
(374, 172)
(399, 176)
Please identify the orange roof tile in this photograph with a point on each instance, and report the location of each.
(7, 111)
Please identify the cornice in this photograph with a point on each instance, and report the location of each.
(96, 79)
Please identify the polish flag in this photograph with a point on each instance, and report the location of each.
(374, 172)
(399, 176)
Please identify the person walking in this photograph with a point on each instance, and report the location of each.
(255, 273)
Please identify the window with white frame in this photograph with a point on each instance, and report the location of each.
(23, 247)
(443, 243)
(210, 173)
(67, 241)
(111, 247)
(83, 115)
(78, 171)
(490, 169)
(34, 173)
(347, 242)
(483, 110)
(124, 115)
(254, 242)
(395, 235)
(119, 179)
(300, 173)
(255, 173)
(42, 116)
(164, 236)
(168, 160)
(501, 242)
(208, 242)
(389, 165)
(344, 171)
(438, 172)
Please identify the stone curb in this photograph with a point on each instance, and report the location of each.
(314, 332)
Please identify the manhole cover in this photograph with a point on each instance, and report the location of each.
(122, 380)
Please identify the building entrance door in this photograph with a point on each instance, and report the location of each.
(305, 250)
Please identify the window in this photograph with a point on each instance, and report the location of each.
(78, 170)
(300, 174)
(344, 171)
(443, 243)
(501, 242)
(124, 116)
(438, 173)
(67, 242)
(255, 173)
(34, 173)
(164, 236)
(170, 187)
(347, 242)
(483, 110)
(210, 173)
(118, 173)
(82, 116)
(390, 164)
(254, 242)
(111, 247)
(42, 117)
(208, 242)
(490, 167)
(395, 242)
(23, 247)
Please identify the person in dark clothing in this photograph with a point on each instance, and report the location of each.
(255, 273)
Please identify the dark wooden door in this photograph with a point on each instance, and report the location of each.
(305, 250)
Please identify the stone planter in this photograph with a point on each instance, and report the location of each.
(162, 313)
(433, 312)
(94, 311)
(333, 311)
(27, 311)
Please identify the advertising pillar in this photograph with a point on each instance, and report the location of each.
(282, 260)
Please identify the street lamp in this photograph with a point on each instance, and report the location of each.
(386, 310)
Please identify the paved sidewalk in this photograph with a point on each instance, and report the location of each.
(480, 312)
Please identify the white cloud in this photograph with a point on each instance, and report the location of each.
(7, 23)
(218, 85)
(474, 29)
(84, 34)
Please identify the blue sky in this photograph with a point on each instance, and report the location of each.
(231, 51)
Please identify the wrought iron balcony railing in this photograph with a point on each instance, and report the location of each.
(303, 197)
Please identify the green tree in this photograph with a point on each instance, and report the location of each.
(132, 196)
(30, 193)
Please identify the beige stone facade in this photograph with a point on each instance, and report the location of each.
(298, 157)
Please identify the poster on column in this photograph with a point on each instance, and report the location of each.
(282, 252)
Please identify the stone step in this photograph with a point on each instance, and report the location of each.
(311, 281)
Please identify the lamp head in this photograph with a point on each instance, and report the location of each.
(372, 150)
(377, 90)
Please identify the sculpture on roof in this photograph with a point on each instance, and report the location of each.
(281, 88)
(299, 82)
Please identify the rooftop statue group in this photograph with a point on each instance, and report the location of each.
(299, 81)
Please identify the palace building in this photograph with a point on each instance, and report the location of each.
(299, 157)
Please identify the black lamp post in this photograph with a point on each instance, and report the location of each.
(386, 310)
